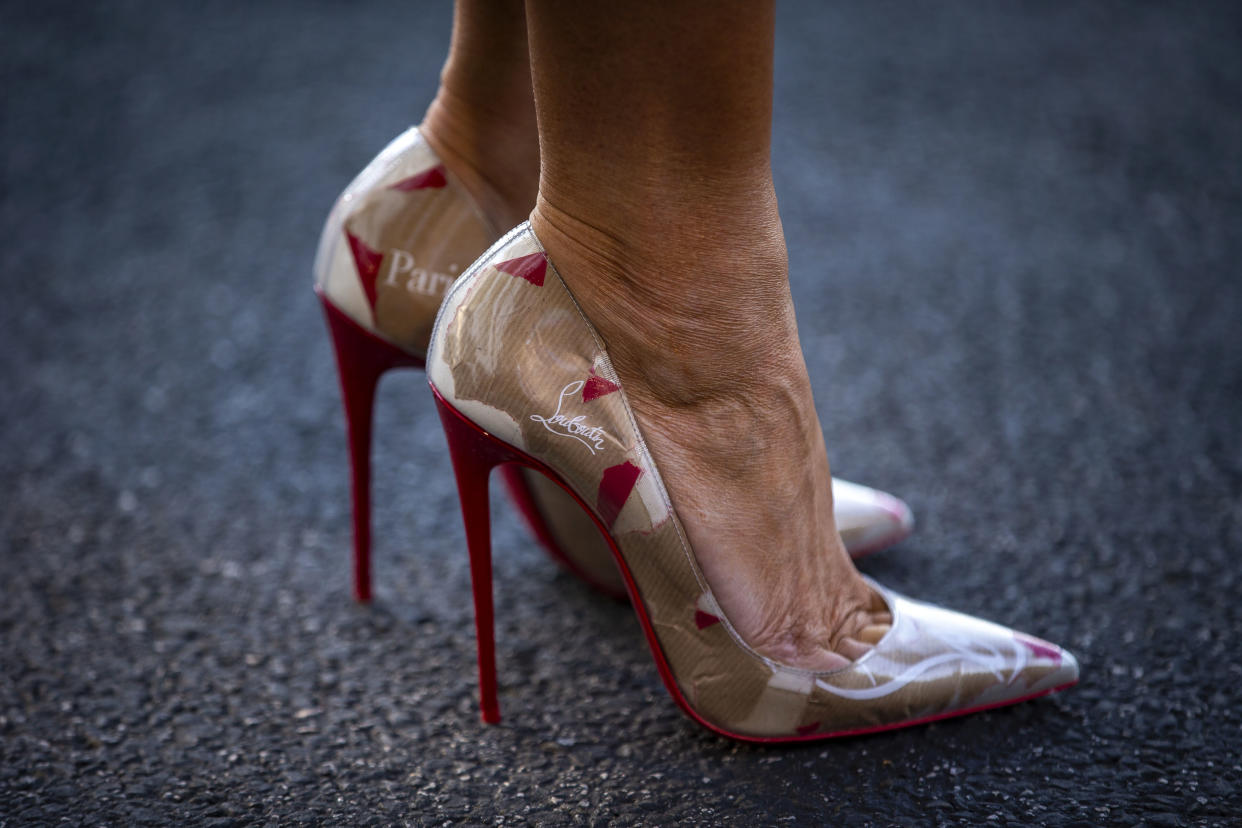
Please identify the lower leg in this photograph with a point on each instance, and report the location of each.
(656, 203)
(482, 121)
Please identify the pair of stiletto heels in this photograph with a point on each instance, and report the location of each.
(523, 382)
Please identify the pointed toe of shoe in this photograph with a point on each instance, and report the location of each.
(935, 663)
(1069, 669)
(869, 519)
(1050, 667)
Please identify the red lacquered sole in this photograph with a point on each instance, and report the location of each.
(523, 497)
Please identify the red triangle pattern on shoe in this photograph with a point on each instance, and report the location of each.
(532, 268)
(1040, 649)
(703, 620)
(596, 387)
(808, 729)
(368, 263)
(614, 489)
(433, 178)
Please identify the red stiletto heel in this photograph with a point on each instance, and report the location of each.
(361, 359)
(474, 456)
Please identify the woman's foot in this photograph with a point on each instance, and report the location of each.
(723, 397)
(706, 346)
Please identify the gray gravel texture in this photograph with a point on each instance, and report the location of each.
(1015, 233)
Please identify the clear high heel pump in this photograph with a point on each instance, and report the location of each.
(521, 378)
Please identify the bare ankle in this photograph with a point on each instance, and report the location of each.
(493, 151)
(720, 290)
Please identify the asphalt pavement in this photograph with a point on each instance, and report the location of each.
(1015, 236)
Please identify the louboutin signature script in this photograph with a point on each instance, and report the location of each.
(563, 425)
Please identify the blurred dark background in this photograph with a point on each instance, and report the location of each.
(1015, 232)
